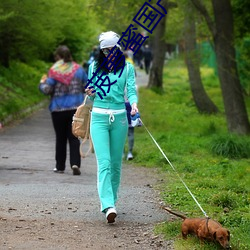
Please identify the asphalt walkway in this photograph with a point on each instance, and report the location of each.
(31, 190)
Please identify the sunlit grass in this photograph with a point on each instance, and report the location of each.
(190, 140)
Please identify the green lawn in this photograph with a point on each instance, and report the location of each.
(214, 164)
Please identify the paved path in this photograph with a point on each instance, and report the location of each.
(26, 163)
(31, 191)
(141, 78)
(27, 160)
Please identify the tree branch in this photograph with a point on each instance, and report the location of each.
(202, 9)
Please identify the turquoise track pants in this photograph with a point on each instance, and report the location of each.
(108, 136)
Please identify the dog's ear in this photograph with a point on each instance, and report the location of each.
(214, 235)
(228, 237)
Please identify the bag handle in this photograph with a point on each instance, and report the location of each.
(85, 139)
(85, 99)
(84, 155)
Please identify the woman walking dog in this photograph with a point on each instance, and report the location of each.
(109, 123)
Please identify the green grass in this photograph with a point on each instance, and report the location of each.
(19, 87)
(214, 164)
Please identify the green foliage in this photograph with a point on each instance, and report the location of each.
(224, 200)
(19, 87)
(118, 20)
(176, 18)
(175, 25)
(219, 183)
(41, 29)
(241, 17)
(242, 35)
(231, 146)
(243, 60)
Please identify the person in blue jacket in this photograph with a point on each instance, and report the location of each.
(65, 84)
(109, 124)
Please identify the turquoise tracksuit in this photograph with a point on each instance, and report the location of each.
(109, 129)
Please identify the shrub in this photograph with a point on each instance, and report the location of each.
(231, 146)
(223, 200)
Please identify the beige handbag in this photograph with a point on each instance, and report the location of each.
(81, 126)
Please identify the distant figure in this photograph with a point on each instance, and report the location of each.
(65, 84)
(147, 58)
(93, 55)
(138, 58)
(128, 109)
(128, 56)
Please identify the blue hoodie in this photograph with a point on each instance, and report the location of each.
(65, 97)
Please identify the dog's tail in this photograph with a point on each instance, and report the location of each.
(175, 213)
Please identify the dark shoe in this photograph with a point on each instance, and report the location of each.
(58, 171)
(111, 214)
(76, 170)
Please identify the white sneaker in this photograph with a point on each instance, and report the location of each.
(58, 171)
(111, 214)
(130, 156)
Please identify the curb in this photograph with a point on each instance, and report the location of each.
(23, 113)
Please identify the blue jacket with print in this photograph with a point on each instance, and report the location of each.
(65, 97)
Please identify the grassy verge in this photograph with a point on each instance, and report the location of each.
(212, 163)
(19, 88)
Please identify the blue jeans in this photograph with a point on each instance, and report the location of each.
(108, 139)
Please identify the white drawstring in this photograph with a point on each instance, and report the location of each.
(109, 112)
(111, 117)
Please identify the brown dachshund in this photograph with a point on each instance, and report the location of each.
(204, 229)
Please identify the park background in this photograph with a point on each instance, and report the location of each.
(196, 103)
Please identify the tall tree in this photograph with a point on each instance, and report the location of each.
(223, 38)
(159, 49)
(201, 99)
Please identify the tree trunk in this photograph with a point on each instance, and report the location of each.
(159, 51)
(223, 37)
(235, 109)
(201, 99)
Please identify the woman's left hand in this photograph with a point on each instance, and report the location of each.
(134, 109)
(89, 92)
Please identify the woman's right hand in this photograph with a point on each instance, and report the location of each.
(134, 109)
(43, 79)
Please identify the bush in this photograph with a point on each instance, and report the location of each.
(231, 146)
(19, 88)
(224, 200)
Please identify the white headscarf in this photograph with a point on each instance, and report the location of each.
(108, 39)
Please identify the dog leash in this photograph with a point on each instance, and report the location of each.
(174, 170)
